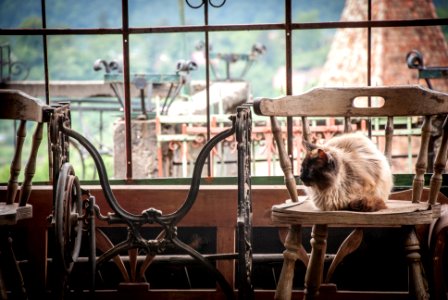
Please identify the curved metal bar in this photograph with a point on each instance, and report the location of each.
(195, 180)
(226, 288)
(128, 217)
(114, 251)
(217, 5)
(107, 191)
(203, 2)
(195, 6)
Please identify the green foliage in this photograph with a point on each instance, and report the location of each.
(7, 147)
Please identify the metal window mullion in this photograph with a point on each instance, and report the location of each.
(127, 90)
(207, 82)
(45, 52)
(369, 60)
(288, 54)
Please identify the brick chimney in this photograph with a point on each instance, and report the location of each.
(347, 59)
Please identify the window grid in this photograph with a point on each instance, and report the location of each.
(287, 27)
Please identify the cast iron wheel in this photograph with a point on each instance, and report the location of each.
(67, 212)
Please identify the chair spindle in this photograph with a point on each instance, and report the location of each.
(30, 168)
(422, 161)
(16, 164)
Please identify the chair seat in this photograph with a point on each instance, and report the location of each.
(398, 212)
(10, 214)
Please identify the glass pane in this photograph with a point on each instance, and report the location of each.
(164, 77)
(255, 57)
(94, 104)
(417, 9)
(71, 57)
(310, 54)
(320, 10)
(22, 58)
(236, 12)
(346, 62)
(83, 13)
(246, 65)
(143, 13)
(28, 16)
(391, 46)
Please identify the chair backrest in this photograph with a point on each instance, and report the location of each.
(352, 104)
(16, 105)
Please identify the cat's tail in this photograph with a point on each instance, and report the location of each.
(367, 204)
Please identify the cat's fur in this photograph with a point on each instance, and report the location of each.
(348, 172)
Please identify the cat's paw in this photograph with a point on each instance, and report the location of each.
(367, 204)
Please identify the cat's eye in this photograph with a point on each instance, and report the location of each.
(363, 102)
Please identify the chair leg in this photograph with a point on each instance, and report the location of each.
(294, 250)
(350, 244)
(418, 284)
(314, 272)
(10, 268)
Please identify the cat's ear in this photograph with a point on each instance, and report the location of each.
(327, 158)
(308, 146)
(322, 154)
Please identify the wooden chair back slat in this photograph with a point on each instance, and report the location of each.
(285, 162)
(389, 133)
(16, 164)
(20, 106)
(305, 129)
(334, 102)
(30, 168)
(422, 161)
(347, 124)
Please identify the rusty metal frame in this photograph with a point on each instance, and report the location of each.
(287, 26)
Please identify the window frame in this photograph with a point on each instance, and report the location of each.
(288, 27)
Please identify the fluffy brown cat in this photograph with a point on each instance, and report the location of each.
(348, 172)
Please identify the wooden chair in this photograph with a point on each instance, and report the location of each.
(15, 105)
(341, 104)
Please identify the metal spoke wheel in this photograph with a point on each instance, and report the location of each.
(67, 221)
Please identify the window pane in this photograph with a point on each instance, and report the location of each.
(416, 9)
(255, 57)
(28, 16)
(391, 46)
(346, 62)
(245, 65)
(237, 12)
(8, 130)
(165, 77)
(21, 57)
(71, 57)
(310, 53)
(94, 104)
(143, 13)
(320, 10)
(83, 13)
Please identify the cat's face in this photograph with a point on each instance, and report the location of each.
(318, 167)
